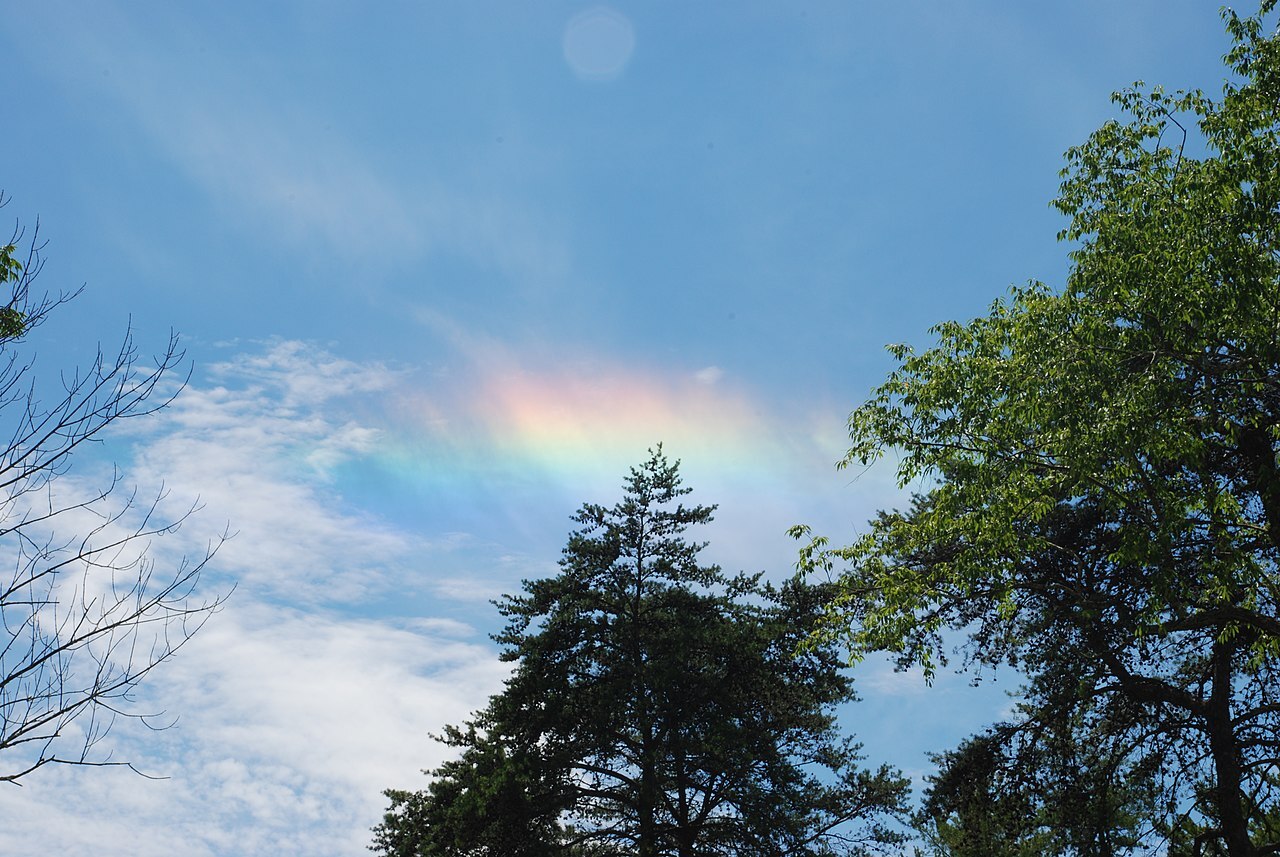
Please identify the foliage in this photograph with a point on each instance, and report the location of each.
(83, 614)
(656, 707)
(1034, 787)
(1102, 503)
(12, 323)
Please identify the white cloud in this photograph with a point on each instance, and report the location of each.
(709, 375)
(291, 725)
(290, 719)
(472, 589)
(278, 685)
(878, 676)
(260, 450)
(305, 374)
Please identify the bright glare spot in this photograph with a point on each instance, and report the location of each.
(598, 43)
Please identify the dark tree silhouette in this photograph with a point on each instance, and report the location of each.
(657, 707)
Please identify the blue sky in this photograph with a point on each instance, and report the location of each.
(445, 270)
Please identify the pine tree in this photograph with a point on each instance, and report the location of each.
(657, 707)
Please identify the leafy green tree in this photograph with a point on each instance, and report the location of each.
(1103, 489)
(657, 707)
(12, 319)
(976, 807)
(1034, 787)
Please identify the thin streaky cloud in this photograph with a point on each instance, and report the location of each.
(290, 174)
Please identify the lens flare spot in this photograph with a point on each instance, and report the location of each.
(598, 43)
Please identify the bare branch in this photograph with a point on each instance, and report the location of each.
(83, 618)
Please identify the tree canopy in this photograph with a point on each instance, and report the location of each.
(656, 707)
(1098, 465)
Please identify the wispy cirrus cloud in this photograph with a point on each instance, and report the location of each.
(288, 173)
(257, 447)
(302, 699)
(288, 728)
(351, 637)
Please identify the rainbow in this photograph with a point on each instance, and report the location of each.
(516, 448)
(582, 427)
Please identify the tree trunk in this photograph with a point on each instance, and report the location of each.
(1227, 794)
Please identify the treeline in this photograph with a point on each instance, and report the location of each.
(1103, 515)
